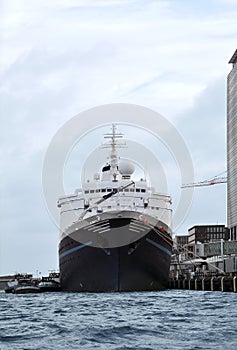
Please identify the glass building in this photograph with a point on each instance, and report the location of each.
(232, 148)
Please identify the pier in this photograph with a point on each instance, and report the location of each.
(206, 283)
(206, 260)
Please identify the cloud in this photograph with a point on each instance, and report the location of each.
(204, 129)
(60, 59)
(27, 232)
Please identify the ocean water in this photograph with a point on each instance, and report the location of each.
(172, 319)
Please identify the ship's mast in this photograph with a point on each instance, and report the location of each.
(113, 154)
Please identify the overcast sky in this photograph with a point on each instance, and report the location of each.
(59, 58)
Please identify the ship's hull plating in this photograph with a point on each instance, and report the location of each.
(142, 264)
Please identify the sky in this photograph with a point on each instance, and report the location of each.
(60, 58)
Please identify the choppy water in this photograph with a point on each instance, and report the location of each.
(173, 319)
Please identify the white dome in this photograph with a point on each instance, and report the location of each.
(126, 168)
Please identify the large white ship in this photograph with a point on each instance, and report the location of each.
(115, 232)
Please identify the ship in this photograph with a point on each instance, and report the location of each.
(115, 231)
(22, 284)
(50, 283)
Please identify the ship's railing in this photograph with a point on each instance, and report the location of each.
(110, 207)
(128, 199)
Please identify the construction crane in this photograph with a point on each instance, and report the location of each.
(214, 181)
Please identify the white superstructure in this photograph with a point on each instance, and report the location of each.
(113, 190)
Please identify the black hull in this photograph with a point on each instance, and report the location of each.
(9, 290)
(49, 289)
(141, 265)
(29, 290)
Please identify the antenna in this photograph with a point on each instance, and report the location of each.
(114, 145)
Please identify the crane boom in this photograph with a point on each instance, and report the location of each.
(214, 181)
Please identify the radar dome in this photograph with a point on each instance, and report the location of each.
(126, 168)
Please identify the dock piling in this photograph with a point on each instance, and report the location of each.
(206, 283)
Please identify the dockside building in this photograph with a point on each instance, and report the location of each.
(232, 148)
